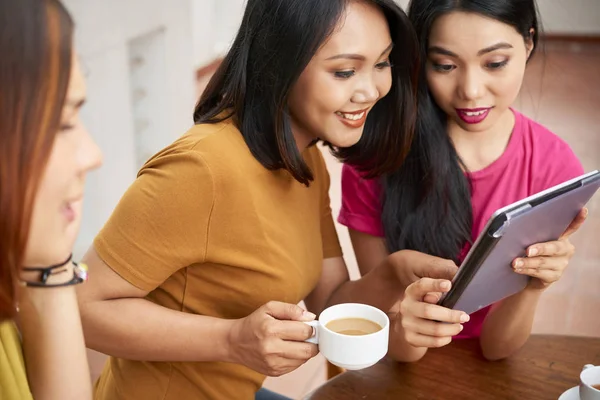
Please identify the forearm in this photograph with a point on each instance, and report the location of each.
(508, 325)
(53, 344)
(137, 329)
(379, 288)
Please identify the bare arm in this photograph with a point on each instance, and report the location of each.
(53, 344)
(119, 321)
(379, 288)
(508, 325)
(371, 252)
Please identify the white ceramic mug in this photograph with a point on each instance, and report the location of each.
(589, 376)
(351, 351)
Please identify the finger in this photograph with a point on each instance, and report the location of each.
(438, 313)
(286, 311)
(576, 223)
(292, 330)
(541, 263)
(419, 340)
(553, 249)
(432, 298)
(546, 276)
(431, 328)
(298, 350)
(420, 288)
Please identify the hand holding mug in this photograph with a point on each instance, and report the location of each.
(272, 340)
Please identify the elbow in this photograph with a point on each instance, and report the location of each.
(493, 356)
(497, 351)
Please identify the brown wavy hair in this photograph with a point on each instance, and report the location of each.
(35, 65)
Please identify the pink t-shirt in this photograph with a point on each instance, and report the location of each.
(535, 159)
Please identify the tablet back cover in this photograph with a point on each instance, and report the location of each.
(495, 279)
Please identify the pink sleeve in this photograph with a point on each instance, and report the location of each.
(361, 204)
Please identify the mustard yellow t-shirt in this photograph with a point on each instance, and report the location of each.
(208, 230)
(13, 378)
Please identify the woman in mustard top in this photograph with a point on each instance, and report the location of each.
(45, 154)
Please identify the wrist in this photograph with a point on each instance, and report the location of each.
(231, 332)
(535, 289)
(396, 272)
(60, 275)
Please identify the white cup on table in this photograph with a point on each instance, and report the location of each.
(589, 387)
(351, 352)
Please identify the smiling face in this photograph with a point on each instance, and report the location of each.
(475, 68)
(344, 80)
(57, 206)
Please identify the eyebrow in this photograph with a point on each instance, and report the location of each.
(359, 57)
(446, 52)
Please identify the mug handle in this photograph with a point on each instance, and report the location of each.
(315, 338)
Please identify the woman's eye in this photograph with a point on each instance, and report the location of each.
(344, 74)
(497, 65)
(443, 67)
(384, 64)
(66, 127)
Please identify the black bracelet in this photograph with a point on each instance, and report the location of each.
(80, 274)
(47, 271)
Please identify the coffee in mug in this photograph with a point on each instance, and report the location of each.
(353, 326)
(597, 387)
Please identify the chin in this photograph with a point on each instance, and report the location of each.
(344, 140)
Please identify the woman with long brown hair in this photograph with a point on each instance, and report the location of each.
(45, 154)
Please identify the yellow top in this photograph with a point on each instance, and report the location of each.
(208, 230)
(13, 378)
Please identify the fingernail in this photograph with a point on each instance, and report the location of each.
(445, 285)
(465, 318)
(308, 315)
(533, 252)
(519, 263)
(461, 328)
(585, 212)
(518, 270)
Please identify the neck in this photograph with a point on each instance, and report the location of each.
(479, 149)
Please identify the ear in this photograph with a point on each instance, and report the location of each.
(529, 45)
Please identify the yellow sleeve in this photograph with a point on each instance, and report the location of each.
(161, 223)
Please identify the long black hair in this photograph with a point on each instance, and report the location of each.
(275, 42)
(427, 202)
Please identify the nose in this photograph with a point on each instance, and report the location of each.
(89, 154)
(367, 91)
(471, 85)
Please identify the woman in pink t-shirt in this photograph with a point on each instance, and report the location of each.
(472, 154)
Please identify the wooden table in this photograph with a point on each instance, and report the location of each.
(543, 369)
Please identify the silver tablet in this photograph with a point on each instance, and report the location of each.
(486, 275)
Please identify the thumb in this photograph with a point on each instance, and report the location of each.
(288, 312)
